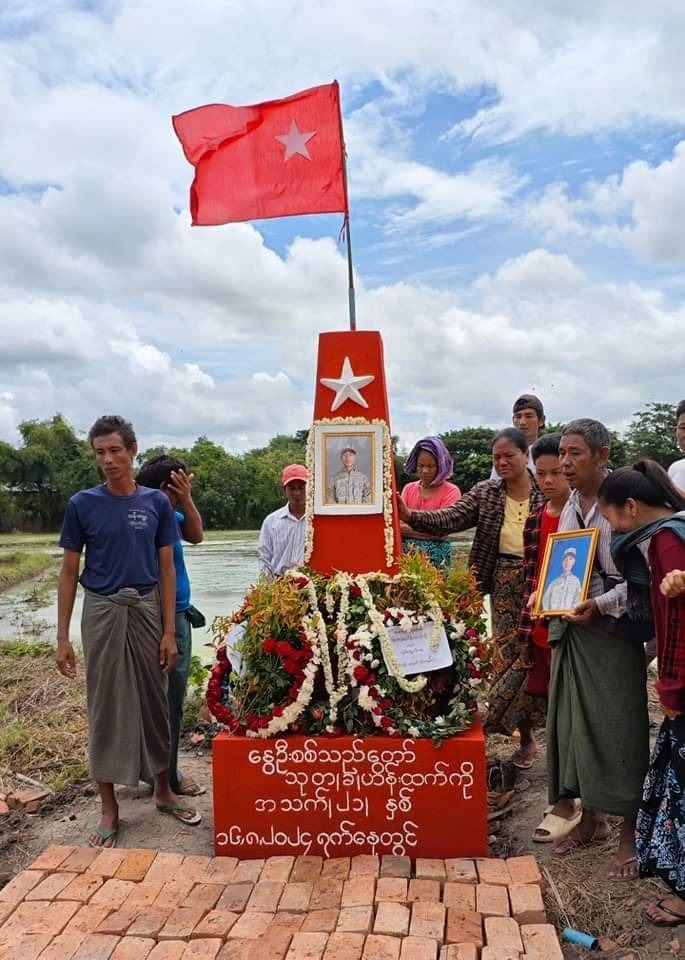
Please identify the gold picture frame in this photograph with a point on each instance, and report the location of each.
(565, 572)
(348, 469)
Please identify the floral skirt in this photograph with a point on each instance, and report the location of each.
(660, 830)
(508, 701)
(439, 552)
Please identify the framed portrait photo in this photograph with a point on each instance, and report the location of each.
(348, 468)
(566, 571)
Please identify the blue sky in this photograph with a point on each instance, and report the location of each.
(517, 182)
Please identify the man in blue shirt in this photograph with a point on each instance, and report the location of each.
(171, 477)
(127, 626)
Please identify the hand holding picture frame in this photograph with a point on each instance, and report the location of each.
(566, 571)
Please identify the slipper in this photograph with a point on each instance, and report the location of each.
(556, 827)
(523, 762)
(578, 844)
(188, 788)
(616, 872)
(185, 814)
(104, 835)
(678, 918)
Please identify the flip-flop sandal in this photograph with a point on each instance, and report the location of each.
(181, 813)
(104, 835)
(188, 788)
(557, 827)
(578, 844)
(524, 763)
(678, 918)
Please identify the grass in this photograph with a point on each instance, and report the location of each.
(18, 565)
(43, 719)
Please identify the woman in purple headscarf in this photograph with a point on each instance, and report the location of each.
(431, 460)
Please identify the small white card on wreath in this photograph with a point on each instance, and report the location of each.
(414, 651)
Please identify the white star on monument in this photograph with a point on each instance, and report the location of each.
(347, 386)
(295, 142)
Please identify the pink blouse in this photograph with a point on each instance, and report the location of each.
(443, 496)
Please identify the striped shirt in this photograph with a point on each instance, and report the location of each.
(281, 542)
(611, 603)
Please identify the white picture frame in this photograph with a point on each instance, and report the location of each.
(348, 469)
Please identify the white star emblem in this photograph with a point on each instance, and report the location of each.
(295, 142)
(347, 386)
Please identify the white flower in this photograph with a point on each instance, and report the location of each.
(375, 664)
(473, 651)
(459, 629)
(414, 732)
(439, 721)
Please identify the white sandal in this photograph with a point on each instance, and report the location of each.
(556, 827)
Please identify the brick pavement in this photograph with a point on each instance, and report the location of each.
(75, 903)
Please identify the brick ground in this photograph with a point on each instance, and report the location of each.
(79, 904)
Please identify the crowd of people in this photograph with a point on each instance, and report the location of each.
(582, 674)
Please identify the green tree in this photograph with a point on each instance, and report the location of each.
(652, 434)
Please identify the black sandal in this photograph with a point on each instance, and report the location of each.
(678, 918)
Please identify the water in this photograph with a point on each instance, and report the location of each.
(221, 571)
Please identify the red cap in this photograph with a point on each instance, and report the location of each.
(294, 471)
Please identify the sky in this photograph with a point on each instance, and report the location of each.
(517, 191)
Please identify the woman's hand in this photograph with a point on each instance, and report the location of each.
(405, 529)
(673, 584)
(402, 509)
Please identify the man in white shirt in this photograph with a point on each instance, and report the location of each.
(677, 470)
(281, 539)
(563, 593)
(528, 416)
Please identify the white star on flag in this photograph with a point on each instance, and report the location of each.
(295, 142)
(347, 386)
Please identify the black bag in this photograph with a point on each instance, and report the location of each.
(196, 617)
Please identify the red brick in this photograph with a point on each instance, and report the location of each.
(181, 923)
(79, 859)
(23, 799)
(63, 947)
(428, 920)
(48, 888)
(327, 893)
(250, 926)
(503, 932)
(365, 865)
(460, 895)
(164, 867)
(492, 900)
(51, 858)
(117, 923)
(220, 869)
(392, 919)
(358, 892)
(425, 890)
(277, 868)
(500, 953)
(396, 867)
(307, 946)
(4, 808)
(247, 871)
(286, 922)
(88, 918)
(392, 888)
(82, 888)
(204, 895)
(461, 871)
(306, 869)
(133, 948)
(96, 946)
(320, 921)
(107, 862)
(524, 870)
(217, 923)
(28, 947)
(337, 868)
(419, 948)
(174, 893)
(274, 944)
(135, 865)
(234, 897)
(171, 950)
(355, 919)
(430, 869)
(237, 950)
(40, 917)
(526, 903)
(265, 896)
(202, 949)
(149, 922)
(20, 885)
(493, 871)
(459, 951)
(381, 948)
(5, 910)
(113, 893)
(464, 926)
(144, 894)
(540, 940)
(193, 868)
(296, 897)
(344, 946)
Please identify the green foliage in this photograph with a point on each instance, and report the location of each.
(471, 450)
(24, 648)
(652, 434)
(17, 565)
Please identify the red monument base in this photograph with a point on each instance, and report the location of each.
(341, 796)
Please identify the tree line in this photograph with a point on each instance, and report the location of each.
(236, 491)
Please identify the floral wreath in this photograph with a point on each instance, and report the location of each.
(317, 657)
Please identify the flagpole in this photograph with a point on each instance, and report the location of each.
(346, 225)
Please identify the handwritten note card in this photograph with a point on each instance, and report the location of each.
(414, 651)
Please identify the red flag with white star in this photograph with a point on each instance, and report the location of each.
(274, 159)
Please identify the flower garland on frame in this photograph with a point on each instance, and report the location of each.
(310, 458)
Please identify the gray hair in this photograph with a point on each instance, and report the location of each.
(594, 433)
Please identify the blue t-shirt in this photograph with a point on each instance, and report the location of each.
(121, 535)
(182, 580)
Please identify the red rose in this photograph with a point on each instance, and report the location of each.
(360, 674)
(385, 703)
(283, 648)
(378, 711)
(471, 633)
(355, 591)
(386, 722)
(278, 711)
(373, 692)
(269, 645)
(301, 581)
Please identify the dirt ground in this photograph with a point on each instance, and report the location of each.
(587, 899)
